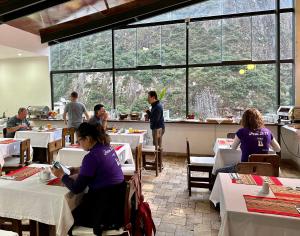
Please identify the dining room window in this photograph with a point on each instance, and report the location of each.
(217, 55)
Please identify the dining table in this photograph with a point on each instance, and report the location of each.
(225, 155)
(134, 138)
(27, 197)
(73, 155)
(245, 210)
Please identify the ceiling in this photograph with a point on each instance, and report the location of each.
(8, 52)
(61, 20)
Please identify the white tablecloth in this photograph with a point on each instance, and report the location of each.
(237, 221)
(73, 157)
(133, 139)
(40, 139)
(224, 155)
(31, 199)
(10, 149)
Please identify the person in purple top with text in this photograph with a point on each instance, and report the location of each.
(102, 206)
(253, 138)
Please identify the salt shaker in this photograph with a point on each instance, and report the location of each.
(265, 188)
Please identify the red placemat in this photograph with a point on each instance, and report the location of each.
(117, 147)
(285, 192)
(75, 145)
(273, 206)
(8, 141)
(55, 182)
(256, 180)
(24, 172)
(225, 142)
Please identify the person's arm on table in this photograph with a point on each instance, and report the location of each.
(275, 145)
(236, 142)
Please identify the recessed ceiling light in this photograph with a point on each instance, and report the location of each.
(19, 54)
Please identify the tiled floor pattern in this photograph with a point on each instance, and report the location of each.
(177, 214)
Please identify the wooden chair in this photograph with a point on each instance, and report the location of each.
(16, 162)
(126, 229)
(53, 147)
(257, 168)
(198, 164)
(4, 131)
(273, 159)
(18, 226)
(156, 151)
(230, 135)
(65, 132)
(138, 160)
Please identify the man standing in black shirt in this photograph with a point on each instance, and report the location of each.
(156, 117)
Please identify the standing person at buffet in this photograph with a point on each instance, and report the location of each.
(75, 110)
(17, 123)
(101, 172)
(157, 123)
(100, 116)
(254, 138)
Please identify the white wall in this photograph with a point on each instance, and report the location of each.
(24, 82)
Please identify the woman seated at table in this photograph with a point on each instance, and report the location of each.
(101, 172)
(254, 138)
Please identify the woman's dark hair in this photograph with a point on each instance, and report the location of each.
(96, 132)
(152, 94)
(252, 119)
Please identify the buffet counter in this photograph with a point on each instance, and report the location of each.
(202, 135)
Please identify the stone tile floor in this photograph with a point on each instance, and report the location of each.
(173, 211)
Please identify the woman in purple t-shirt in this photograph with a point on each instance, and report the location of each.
(101, 172)
(254, 138)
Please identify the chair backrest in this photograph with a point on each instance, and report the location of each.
(188, 153)
(130, 197)
(138, 159)
(24, 149)
(231, 135)
(257, 168)
(68, 131)
(52, 147)
(273, 159)
(4, 131)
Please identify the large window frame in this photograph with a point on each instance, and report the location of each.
(187, 65)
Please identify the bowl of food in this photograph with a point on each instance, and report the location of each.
(135, 116)
(123, 116)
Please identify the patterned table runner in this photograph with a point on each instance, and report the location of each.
(273, 206)
(285, 192)
(256, 180)
(8, 141)
(23, 173)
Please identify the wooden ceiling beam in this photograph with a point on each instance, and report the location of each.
(13, 9)
(110, 18)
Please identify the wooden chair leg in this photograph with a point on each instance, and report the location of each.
(189, 182)
(144, 160)
(33, 228)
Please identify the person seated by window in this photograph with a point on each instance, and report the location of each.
(17, 123)
(100, 171)
(100, 116)
(254, 138)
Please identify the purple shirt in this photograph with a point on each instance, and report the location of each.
(254, 142)
(103, 165)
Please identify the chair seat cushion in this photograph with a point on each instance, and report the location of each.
(79, 230)
(202, 161)
(7, 233)
(148, 148)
